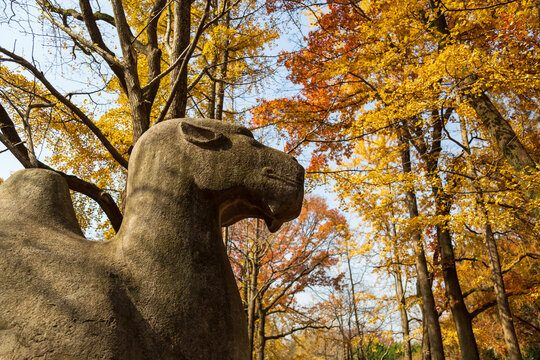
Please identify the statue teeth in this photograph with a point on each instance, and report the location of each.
(274, 206)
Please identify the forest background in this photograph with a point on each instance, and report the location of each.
(416, 119)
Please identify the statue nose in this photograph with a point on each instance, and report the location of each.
(267, 170)
(290, 178)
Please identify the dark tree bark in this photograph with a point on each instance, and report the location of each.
(430, 156)
(220, 92)
(211, 105)
(500, 131)
(498, 128)
(460, 314)
(11, 139)
(181, 41)
(462, 318)
(508, 143)
(139, 115)
(353, 300)
(429, 310)
(253, 295)
(400, 297)
(426, 349)
(261, 345)
(218, 73)
(251, 299)
(509, 332)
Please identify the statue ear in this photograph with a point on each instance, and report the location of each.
(200, 135)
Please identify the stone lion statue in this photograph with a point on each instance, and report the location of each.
(163, 287)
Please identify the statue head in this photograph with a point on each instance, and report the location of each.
(241, 177)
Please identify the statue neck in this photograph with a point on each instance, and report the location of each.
(176, 268)
(161, 222)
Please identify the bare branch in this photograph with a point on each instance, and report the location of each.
(447, 9)
(104, 52)
(11, 139)
(186, 53)
(185, 59)
(537, 328)
(295, 329)
(80, 114)
(492, 303)
(75, 14)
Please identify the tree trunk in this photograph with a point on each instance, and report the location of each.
(211, 106)
(139, 110)
(462, 318)
(515, 153)
(496, 125)
(182, 30)
(211, 96)
(429, 309)
(223, 73)
(400, 297)
(252, 300)
(28, 136)
(139, 114)
(428, 302)
(353, 298)
(426, 350)
(261, 331)
(498, 128)
(505, 314)
(460, 314)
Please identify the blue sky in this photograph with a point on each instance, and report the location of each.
(8, 164)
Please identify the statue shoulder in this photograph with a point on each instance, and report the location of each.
(37, 198)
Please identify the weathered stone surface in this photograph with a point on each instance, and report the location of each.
(163, 287)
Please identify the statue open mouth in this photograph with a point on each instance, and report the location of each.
(272, 211)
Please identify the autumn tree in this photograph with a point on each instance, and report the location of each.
(273, 270)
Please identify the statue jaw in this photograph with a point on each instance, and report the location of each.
(276, 213)
(273, 224)
(254, 180)
(268, 210)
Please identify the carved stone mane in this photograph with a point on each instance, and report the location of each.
(163, 287)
